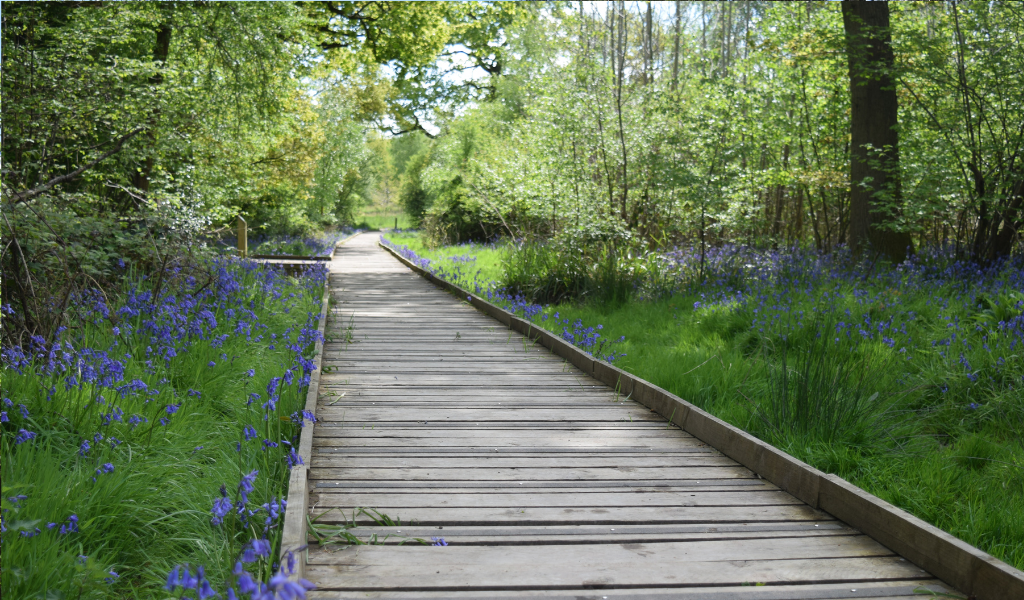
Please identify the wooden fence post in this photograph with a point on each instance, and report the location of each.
(243, 238)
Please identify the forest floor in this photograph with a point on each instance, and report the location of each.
(905, 381)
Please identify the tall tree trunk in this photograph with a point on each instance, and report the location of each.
(161, 49)
(675, 48)
(703, 39)
(875, 192)
(649, 58)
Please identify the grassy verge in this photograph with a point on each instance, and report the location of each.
(157, 431)
(383, 220)
(907, 382)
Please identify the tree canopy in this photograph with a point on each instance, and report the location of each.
(134, 126)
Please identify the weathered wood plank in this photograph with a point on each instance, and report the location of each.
(611, 515)
(627, 499)
(498, 443)
(509, 474)
(584, 574)
(496, 413)
(881, 590)
(456, 462)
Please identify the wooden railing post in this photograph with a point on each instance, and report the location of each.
(243, 238)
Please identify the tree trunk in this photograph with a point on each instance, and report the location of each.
(649, 58)
(675, 49)
(161, 50)
(875, 192)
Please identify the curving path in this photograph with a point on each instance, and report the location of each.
(542, 481)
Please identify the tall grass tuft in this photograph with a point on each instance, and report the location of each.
(821, 391)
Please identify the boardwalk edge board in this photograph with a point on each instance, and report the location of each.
(293, 532)
(955, 562)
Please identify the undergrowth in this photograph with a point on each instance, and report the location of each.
(149, 445)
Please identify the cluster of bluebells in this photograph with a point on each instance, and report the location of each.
(858, 303)
(457, 270)
(588, 338)
(278, 587)
(239, 507)
(63, 528)
(118, 387)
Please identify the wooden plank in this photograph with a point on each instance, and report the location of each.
(623, 499)
(530, 487)
(753, 549)
(333, 460)
(589, 461)
(499, 474)
(427, 575)
(598, 430)
(578, 534)
(876, 590)
(611, 515)
(511, 490)
(498, 443)
(369, 413)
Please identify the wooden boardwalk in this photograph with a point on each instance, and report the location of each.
(542, 481)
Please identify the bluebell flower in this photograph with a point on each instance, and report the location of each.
(23, 436)
(438, 541)
(245, 486)
(104, 469)
(71, 526)
(249, 432)
(261, 547)
(188, 582)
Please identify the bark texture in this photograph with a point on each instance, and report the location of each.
(875, 193)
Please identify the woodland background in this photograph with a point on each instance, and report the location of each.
(135, 129)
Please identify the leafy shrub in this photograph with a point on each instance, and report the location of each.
(610, 267)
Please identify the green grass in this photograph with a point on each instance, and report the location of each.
(383, 220)
(959, 469)
(921, 433)
(154, 510)
(467, 264)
